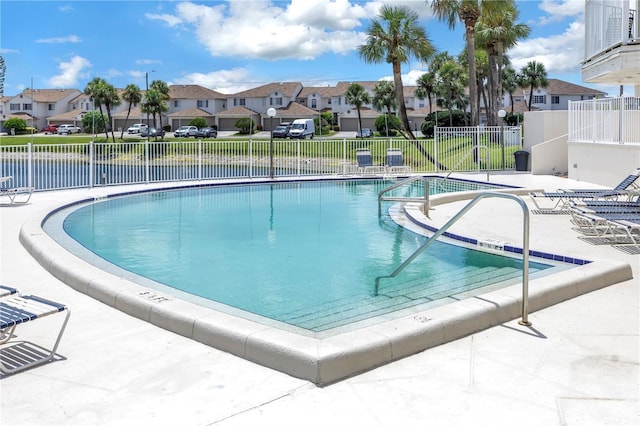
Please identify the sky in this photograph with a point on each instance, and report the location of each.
(232, 46)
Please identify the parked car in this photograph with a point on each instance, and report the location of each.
(207, 132)
(151, 132)
(50, 128)
(67, 129)
(364, 133)
(186, 131)
(281, 131)
(136, 128)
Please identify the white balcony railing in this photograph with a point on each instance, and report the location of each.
(609, 120)
(609, 23)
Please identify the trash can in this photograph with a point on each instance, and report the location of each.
(522, 160)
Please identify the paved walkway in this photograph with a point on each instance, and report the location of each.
(577, 364)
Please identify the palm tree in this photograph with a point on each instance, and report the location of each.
(426, 87)
(395, 38)
(467, 11)
(96, 89)
(132, 96)
(384, 99)
(509, 82)
(451, 84)
(497, 32)
(357, 96)
(162, 90)
(533, 75)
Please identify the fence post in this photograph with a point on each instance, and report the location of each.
(199, 159)
(30, 164)
(91, 165)
(250, 152)
(146, 161)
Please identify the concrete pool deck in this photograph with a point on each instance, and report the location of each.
(577, 364)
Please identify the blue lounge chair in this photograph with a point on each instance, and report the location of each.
(16, 310)
(395, 162)
(365, 162)
(627, 189)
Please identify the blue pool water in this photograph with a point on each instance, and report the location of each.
(306, 253)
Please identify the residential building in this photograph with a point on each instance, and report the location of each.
(35, 106)
(189, 101)
(555, 96)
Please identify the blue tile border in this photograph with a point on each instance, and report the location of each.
(506, 248)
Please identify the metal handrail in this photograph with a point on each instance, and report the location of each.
(424, 199)
(454, 219)
(464, 157)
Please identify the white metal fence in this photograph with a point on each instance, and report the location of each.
(609, 120)
(47, 167)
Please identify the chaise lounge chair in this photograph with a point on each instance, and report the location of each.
(612, 224)
(16, 310)
(15, 195)
(627, 189)
(365, 162)
(395, 162)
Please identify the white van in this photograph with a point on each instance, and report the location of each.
(302, 128)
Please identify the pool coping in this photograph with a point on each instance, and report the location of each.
(318, 360)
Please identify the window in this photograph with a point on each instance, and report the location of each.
(14, 107)
(203, 103)
(539, 99)
(27, 107)
(314, 103)
(176, 103)
(237, 102)
(275, 101)
(339, 101)
(51, 107)
(555, 99)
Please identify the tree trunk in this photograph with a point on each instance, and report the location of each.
(471, 58)
(402, 109)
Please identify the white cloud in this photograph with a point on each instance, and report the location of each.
(559, 53)
(170, 20)
(148, 61)
(223, 81)
(557, 10)
(70, 72)
(302, 29)
(58, 40)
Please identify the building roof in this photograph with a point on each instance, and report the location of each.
(48, 95)
(323, 91)
(239, 111)
(193, 91)
(289, 89)
(190, 113)
(560, 87)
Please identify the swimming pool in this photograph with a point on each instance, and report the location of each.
(319, 357)
(305, 254)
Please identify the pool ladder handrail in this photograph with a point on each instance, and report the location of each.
(425, 199)
(525, 247)
(464, 157)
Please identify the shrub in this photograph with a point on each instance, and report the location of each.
(15, 123)
(198, 122)
(245, 125)
(458, 118)
(391, 121)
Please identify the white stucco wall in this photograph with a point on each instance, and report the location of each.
(545, 138)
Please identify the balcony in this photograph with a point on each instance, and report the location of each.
(612, 43)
